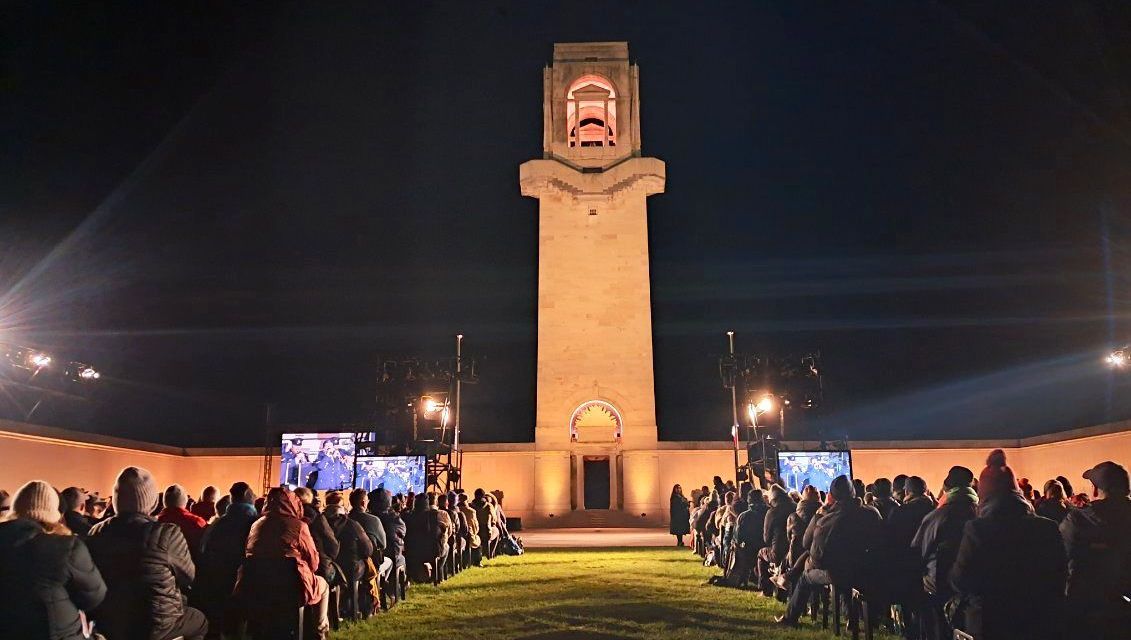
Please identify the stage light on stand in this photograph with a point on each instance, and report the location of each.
(38, 360)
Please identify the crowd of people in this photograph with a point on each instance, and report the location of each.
(156, 565)
(988, 555)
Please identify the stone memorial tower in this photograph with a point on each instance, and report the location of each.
(595, 436)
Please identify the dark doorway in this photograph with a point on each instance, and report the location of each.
(597, 483)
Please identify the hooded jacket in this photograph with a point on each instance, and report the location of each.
(775, 534)
(45, 580)
(146, 565)
(281, 533)
(1010, 571)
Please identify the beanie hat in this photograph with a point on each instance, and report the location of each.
(135, 491)
(842, 489)
(997, 478)
(958, 477)
(37, 501)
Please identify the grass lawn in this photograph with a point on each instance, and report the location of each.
(579, 594)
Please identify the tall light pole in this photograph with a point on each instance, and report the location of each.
(734, 407)
(459, 385)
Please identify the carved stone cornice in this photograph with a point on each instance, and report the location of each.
(553, 178)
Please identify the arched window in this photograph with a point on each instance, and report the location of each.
(591, 113)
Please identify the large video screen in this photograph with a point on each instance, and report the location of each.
(397, 474)
(818, 468)
(322, 461)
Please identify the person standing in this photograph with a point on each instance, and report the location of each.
(679, 512)
(1097, 539)
(47, 577)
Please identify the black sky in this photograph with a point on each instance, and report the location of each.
(225, 204)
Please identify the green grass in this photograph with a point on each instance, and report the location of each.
(590, 594)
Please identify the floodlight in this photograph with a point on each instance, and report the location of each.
(89, 374)
(38, 360)
(1118, 359)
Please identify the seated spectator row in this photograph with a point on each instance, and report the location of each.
(988, 557)
(152, 565)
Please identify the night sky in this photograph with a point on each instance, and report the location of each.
(224, 205)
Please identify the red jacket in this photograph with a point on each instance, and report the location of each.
(281, 533)
(191, 525)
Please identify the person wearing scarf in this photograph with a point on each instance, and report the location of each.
(936, 543)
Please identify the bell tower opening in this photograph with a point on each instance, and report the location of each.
(591, 112)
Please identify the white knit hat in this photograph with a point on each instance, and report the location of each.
(135, 491)
(37, 501)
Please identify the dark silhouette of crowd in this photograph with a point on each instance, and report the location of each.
(989, 555)
(155, 565)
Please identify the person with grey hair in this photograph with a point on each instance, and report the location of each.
(190, 524)
(147, 568)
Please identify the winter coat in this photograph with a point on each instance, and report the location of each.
(795, 527)
(146, 565)
(373, 528)
(900, 564)
(1010, 572)
(45, 580)
(221, 554)
(281, 533)
(749, 527)
(1053, 510)
(393, 527)
(885, 505)
(192, 526)
(205, 510)
(324, 541)
(485, 513)
(679, 516)
(355, 546)
(1097, 539)
(774, 531)
(937, 540)
(424, 539)
(705, 518)
(472, 525)
(842, 539)
(78, 523)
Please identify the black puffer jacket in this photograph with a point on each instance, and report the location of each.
(1010, 573)
(795, 527)
(937, 541)
(842, 539)
(44, 581)
(146, 565)
(775, 533)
